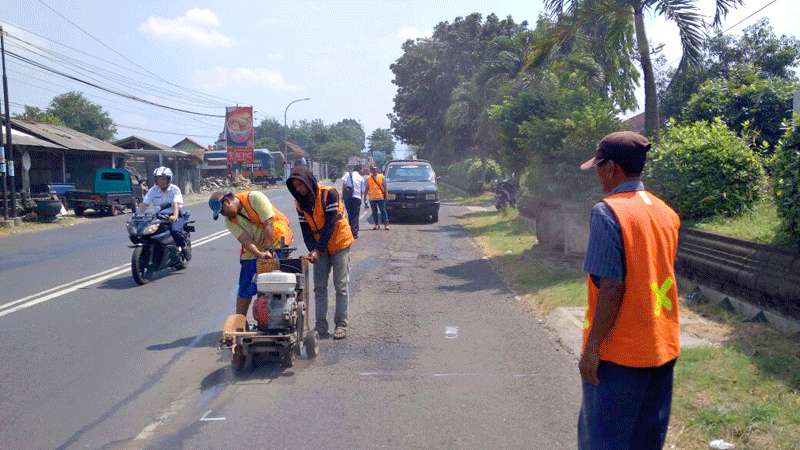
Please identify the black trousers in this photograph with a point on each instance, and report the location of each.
(353, 206)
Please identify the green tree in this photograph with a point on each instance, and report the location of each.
(745, 102)
(338, 152)
(349, 130)
(381, 140)
(773, 56)
(429, 71)
(786, 180)
(269, 133)
(617, 15)
(80, 114)
(34, 114)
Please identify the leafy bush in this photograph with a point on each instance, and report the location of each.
(705, 169)
(745, 102)
(786, 181)
(472, 175)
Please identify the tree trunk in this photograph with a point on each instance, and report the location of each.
(651, 121)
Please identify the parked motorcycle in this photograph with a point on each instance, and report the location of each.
(505, 194)
(154, 249)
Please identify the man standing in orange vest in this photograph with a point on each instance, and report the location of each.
(327, 234)
(258, 226)
(376, 191)
(631, 335)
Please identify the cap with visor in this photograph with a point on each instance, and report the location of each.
(626, 148)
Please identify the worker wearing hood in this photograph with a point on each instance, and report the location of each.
(327, 235)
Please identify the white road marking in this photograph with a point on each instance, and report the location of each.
(450, 332)
(59, 291)
(205, 417)
(173, 409)
(455, 374)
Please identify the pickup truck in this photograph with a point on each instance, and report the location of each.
(113, 190)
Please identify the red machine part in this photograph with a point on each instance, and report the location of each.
(261, 311)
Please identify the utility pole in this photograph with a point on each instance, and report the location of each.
(286, 127)
(3, 169)
(9, 143)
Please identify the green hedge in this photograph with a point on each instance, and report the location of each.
(704, 169)
(786, 181)
(472, 175)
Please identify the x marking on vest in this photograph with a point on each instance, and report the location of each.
(661, 295)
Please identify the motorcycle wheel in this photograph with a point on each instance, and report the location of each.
(139, 266)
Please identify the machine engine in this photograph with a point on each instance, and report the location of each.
(275, 307)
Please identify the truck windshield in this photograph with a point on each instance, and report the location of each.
(409, 172)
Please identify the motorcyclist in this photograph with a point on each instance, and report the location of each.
(164, 194)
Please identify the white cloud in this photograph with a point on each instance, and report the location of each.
(197, 26)
(220, 78)
(406, 33)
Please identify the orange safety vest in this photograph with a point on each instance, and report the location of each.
(280, 223)
(647, 331)
(342, 237)
(375, 190)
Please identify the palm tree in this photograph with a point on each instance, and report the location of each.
(616, 16)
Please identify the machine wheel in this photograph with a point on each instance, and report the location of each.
(311, 344)
(240, 363)
(139, 263)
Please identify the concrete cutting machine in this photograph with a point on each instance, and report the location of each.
(281, 330)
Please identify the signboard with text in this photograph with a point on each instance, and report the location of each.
(239, 134)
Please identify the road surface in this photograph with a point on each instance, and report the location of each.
(439, 354)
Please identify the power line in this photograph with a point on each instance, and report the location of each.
(131, 127)
(751, 15)
(103, 88)
(120, 54)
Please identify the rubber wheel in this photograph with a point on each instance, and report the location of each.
(240, 363)
(311, 344)
(79, 211)
(139, 266)
(113, 210)
(435, 217)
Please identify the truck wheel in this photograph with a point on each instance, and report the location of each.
(435, 217)
(79, 211)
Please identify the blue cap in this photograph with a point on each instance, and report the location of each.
(216, 207)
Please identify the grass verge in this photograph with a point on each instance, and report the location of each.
(746, 391)
(451, 195)
(761, 224)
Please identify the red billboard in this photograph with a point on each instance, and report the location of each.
(239, 134)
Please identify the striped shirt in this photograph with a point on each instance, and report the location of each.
(605, 256)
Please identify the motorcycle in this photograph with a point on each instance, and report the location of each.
(505, 195)
(154, 248)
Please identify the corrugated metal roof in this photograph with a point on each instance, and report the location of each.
(140, 143)
(66, 137)
(21, 138)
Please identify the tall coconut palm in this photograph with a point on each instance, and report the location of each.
(573, 15)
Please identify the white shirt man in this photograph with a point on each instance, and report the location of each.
(355, 180)
(161, 197)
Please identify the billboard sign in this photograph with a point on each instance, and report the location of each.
(239, 134)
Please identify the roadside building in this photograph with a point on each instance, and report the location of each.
(47, 154)
(146, 155)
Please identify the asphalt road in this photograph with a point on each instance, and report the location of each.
(439, 355)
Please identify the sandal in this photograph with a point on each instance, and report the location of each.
(340, 333)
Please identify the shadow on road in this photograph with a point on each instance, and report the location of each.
(203, 340)
(477, 275)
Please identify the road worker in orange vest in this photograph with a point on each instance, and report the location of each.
(327, 234)
(258, 226)
(376, 191)
(631, 334)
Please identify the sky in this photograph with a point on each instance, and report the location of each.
(260, 53)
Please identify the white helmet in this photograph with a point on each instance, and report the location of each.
(162, 172)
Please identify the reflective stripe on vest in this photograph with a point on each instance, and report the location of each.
(375, 190)
(646, 332)
(342, 237)
(282, 231)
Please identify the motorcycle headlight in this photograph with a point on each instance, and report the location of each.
(431, 196)
(152, 228)
(391, 196)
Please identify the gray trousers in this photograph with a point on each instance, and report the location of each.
(340, 263)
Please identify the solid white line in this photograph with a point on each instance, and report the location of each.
(58, 291)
